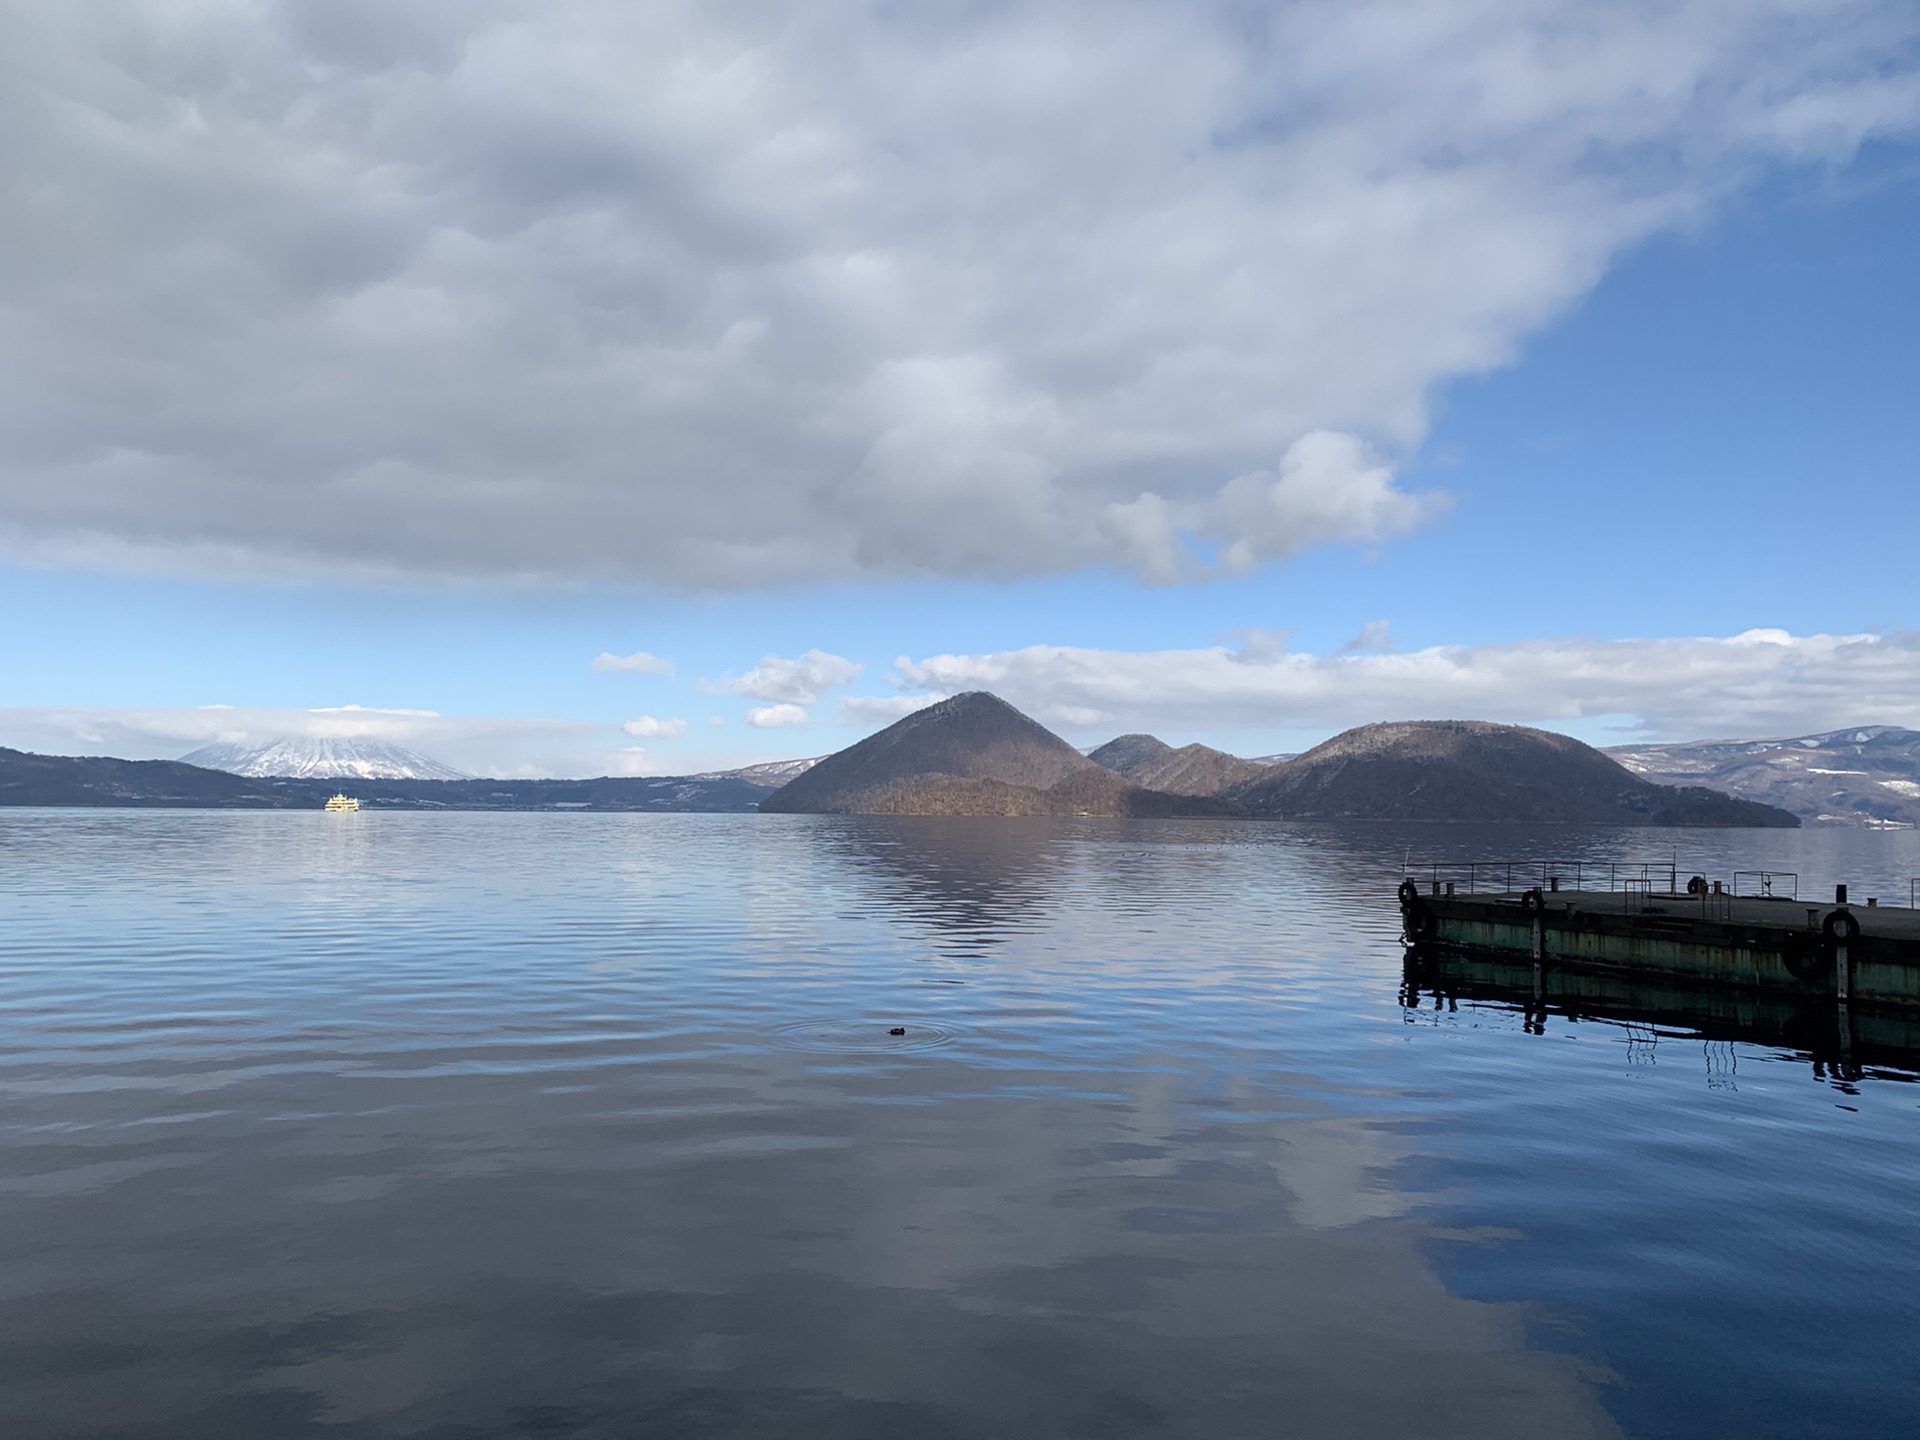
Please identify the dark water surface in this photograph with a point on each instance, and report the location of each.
(592, 1126)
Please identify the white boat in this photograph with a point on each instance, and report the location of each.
(341, 804)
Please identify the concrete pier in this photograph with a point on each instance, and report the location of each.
(1851, 954)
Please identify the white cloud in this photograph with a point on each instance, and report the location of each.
(361, 715)
(1762, 682)
(1075, 716)
(638, 663)
(1374, 635)
(796, 682)
(883, 709)
(1261, 647)
(1329, 487)
(477, 290)
(648, 728)
(772, 717)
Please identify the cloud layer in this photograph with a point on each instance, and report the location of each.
(478, 745)
(504, 747)
(1764, 682)
(736, 294)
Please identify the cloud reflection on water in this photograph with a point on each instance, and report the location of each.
(448, 1125)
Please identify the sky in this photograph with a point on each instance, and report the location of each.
(581, 387)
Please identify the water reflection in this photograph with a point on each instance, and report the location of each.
(1840, 1044)
(594, 1126)
(971, 881)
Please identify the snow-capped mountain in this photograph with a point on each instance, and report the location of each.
(1868, 775)
(769, 772)
(315, 757)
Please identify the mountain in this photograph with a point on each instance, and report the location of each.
(1475, 771)
(770, 773)
(29, 779)
(1868, 776)
(1190, 770)
(972, 754)
(314, 757)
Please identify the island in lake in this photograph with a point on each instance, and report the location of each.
(974, 754)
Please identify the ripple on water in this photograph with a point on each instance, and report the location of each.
(1188, 1151)
(864, 1037)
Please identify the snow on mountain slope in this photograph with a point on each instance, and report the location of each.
(313, 757)
(769, 772)
(1868, 775)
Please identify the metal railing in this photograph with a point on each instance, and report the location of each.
(1638, 885)
(1659, 877)
(1514, 877)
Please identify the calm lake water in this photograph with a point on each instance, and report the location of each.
(591, 1126)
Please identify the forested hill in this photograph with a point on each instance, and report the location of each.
(1476, 771)
(972, 754)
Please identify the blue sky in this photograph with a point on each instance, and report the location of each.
(1692, 429)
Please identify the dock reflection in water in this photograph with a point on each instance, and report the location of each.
(1841, 1043)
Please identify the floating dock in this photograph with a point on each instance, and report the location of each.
(1666, 923)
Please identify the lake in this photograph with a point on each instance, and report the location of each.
(478, 1125)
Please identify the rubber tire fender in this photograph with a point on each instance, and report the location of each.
(1841, 927)
(1533, 902)
(1807, 959)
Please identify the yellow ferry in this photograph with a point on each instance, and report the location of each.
(342, 803)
